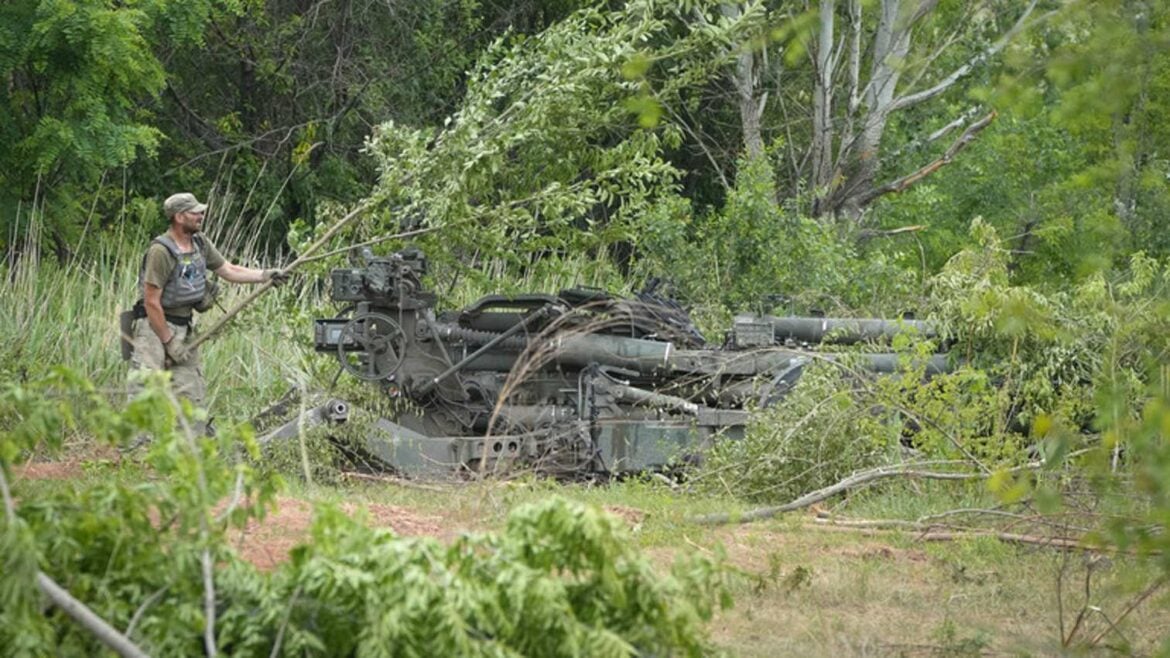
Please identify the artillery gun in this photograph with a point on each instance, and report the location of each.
(575, 383)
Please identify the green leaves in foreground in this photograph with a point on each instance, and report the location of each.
(561, 579)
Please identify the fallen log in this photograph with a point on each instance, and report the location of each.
(851, 482)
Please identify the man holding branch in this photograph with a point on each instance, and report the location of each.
(173, 284)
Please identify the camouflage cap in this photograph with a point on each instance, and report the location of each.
(182, 202)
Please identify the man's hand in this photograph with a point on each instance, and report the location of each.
(176, 351)
(277, 277)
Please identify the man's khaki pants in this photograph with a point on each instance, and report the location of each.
(149, 354)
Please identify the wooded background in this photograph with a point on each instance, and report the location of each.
(875, 129)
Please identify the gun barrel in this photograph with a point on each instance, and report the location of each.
(637, 354)
(578, 350)
(937, 364)
(842, 331)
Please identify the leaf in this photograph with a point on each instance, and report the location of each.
(637, 66)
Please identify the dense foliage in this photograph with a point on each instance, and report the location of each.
(562, 578)
(261, 106)
(1081, 364)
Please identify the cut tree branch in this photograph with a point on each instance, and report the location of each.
(78, 611)
(208, 569)
(370, 243)
(906, 182)
(264, 287)
(105, 633)
(853, 481)
(875, 527)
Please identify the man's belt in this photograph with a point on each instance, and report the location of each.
(180, 320)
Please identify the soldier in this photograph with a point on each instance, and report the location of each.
(173, 285)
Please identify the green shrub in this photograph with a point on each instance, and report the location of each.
(755, 254)
(562, 578)
(818, 434)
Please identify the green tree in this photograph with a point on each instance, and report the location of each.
(264, 106)
(1109, 73)
(832, 91)
(76, 76)
(1071, 174)
(272, 111)
(559, 145)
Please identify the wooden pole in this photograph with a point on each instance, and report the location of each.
(264, 287)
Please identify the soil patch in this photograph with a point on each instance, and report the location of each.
(66, 470)
(267, 543)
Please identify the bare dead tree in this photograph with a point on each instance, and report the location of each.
(868, 63)
(856, 132)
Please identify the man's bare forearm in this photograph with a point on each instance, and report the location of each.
(240, 274)
(156, 317)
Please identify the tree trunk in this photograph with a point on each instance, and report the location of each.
(858, 168)
(750, 106)
(822, 138)
(847, 185)
(746, 80)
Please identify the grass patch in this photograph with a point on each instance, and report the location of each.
(810, 591)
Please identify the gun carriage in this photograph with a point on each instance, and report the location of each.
(580, 382)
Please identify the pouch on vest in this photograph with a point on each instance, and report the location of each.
(210, 293)
(126, 327)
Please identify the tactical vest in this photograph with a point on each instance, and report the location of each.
(188, 281)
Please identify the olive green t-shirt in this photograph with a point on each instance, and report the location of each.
(160, 263)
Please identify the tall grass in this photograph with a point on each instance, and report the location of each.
(67, 314)
(53, 314)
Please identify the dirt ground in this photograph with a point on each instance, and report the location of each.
(267, 543)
